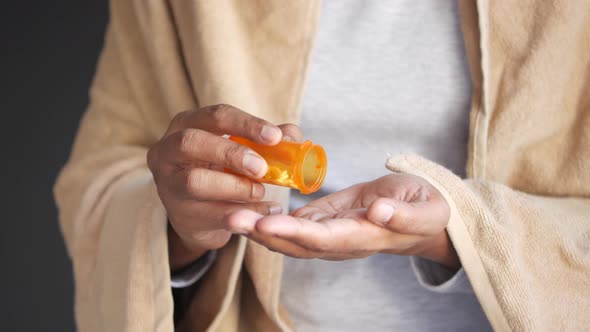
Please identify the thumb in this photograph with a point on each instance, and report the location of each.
(416, 218)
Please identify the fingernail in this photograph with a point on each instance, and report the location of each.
(275, 209)
(254, 164)
(257, 190)
(384, 213)
(288, 139)
(269, 133)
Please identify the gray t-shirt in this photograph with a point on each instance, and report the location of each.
(386, 77)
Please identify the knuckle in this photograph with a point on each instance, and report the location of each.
(219, 113)
(178, 118)
(188, 139)
(253, 125)
(246, 187)
(193, 182)
(151, 159)
(243, 187)
(232, 154)
(237, 186)
(319, 246)
(250, 125)
(312, 246)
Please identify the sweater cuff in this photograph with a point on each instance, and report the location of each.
(195, 271)
(439, 278)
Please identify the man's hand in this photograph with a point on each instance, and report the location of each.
(398, 214)
(187, 165)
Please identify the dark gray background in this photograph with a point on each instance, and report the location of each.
(48, 53)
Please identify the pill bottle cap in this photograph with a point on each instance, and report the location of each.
(310, 168)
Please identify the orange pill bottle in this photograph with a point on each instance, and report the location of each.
(301, 166)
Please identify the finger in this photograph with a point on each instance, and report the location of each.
(331, 204)
(244, 222)
(210, 185)
(191, 145)
(225, 119)
(419, 218)
(291, 249)
(328, 237)
(282, 246)
(311, 213)
(333, 238)
(277, 234)
(309, 234)
(291, 132)
(214, 215)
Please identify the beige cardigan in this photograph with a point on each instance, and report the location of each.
(520, 223)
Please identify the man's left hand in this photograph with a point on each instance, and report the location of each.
(398, 214)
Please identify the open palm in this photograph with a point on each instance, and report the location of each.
(397, 213)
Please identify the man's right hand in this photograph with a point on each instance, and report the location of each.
(187, 165)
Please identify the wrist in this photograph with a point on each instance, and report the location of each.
(442, 251)
(179, 254)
